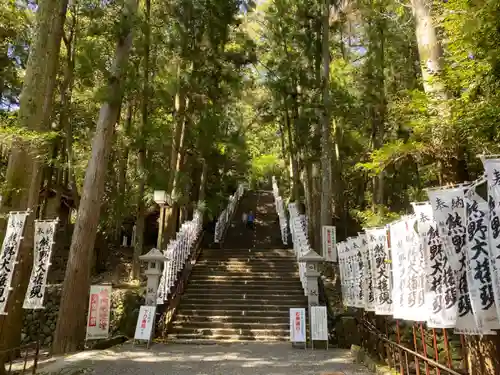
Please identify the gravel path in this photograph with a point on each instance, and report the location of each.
(236, 359)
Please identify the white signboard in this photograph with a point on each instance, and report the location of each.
(319, 325)
(99, 309)
(8, 254)
(145, 322)
(42, 250)
(297, 325)
(329, 243)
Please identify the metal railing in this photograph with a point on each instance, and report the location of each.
(226, 215)
(21, 360)
(410, 348)
(300, 240)
(280, 209)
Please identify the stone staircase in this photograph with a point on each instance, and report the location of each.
(242, 292)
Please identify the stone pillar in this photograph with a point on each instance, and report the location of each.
(312, 260)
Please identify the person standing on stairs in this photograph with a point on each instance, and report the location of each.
(244, 218)
(250, 220)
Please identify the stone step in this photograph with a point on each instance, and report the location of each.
(224, 294)
(243, 260)
(201, 325)
(249, 253)
(228, 288)
(203, 340)
(247, 262)
(245, 301)
(203, 274)
(246, 277)
(207, 332)
(272, 284)
(180, 317)
(236, 306)
(204, 311)
(246, 267)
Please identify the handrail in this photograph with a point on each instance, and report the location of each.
(280, 209)
(373, 330)
(177, 253)
(226, 215)
(300, 240)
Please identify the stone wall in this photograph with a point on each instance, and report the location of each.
(125, 304)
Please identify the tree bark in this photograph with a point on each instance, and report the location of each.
(293, 156)
(141, 160)
(172, 213)
(122, 173)
(326, 134)
(24, 177)
(69, 333)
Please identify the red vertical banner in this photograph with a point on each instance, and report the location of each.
(94, 303)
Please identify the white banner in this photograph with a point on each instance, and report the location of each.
(343, 272)
(349, 263)
(441, 288)
(398, 230)
(377, 242)
(145, 322)
(417, 276)
(99, 310)
(492, 168)
(449, 212)
(329, 243)
(8, 255)
(367, 274)
(297, 325)
(42, 251)
(359, 269)
(319, 324)
(478, 260)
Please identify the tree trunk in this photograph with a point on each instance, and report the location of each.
(431, 61)
(326, 134)
(293, 156)
(24, 178)
(122, 173)
(141, 160)
(172, 213)
(203, 181)
(70, 327)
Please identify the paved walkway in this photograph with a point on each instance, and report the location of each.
(231, 359)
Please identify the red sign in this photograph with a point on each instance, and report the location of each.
(144, 320)
(94, 302)
(103, 310)
(297, 321)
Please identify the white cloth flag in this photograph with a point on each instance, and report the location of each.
(377, 242)
(359, 271)
(8, 255)
(42, 252)
(423, 218)
(367, 274)
(440, 291)
(349, 262)
(492, 168)
(449, 212)
(398, 230)
(478, 260)
(343, 273)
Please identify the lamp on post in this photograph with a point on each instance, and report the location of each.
(163, 200)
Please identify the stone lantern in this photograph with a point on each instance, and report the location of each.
(312, 261)
(154, 268)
